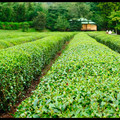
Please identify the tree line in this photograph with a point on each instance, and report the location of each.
(56, 15)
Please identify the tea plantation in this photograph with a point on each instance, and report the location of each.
(83, 82)
(112, 41)
(20, 64)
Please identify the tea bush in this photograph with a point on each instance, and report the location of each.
(83, 82)
(112, 41)
(5, 43)
(8, 34)
(21, 64)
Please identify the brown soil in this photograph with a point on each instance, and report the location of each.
(28, 92)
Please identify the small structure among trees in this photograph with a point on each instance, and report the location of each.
(86, 24)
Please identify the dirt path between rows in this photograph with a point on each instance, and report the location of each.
(28, 92)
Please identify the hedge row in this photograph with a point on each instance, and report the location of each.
(83, 82)
(21, 64)
(8, 34)
(14, 25)
(112, 41)
(5, 43)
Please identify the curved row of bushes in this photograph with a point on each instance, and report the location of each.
(21, 64)
(83, 82)
(112, 41)
(5, 43)
(7, 34)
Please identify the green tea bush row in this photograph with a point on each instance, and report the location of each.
(20, 40)
(112, 41)
(8, 34)
(83, 82)
(21, 64)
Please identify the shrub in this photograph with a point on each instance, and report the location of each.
(83, 82)
(20, 40)
(25, 26)
(112, 41)
(15, 26)
(20, 24)
(39, 22)
(75, 25)
(4, 44)
(31, 23)
(1, 25)
(22, 63)
(61, 24)
(7, 26)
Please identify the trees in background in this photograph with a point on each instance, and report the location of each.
(19, 11)
(62, 24)
(68, 10)
(58, 13)
(75, 25)
(54, 11)
(6, 12)
(79, 9)
(96, 15)
(115, 19)
(106, 9)
(39, 21)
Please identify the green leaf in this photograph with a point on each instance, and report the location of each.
(118, 96)
(35, 102)
(36, 116)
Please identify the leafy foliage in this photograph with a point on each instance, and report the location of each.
(16, 25)
(83, 82)
(25, 26)
(98, 12)
(106, 8)
(6, 42)
(112, 41)
(79, 9)
(40, 21)
(75, 25)
(21, 64)
(115, 17)
(61, 24)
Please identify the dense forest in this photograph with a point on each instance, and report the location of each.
(55, 16)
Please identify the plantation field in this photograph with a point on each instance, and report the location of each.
(112, 41)
(12, 38)
(83, 81)
(20, 64)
